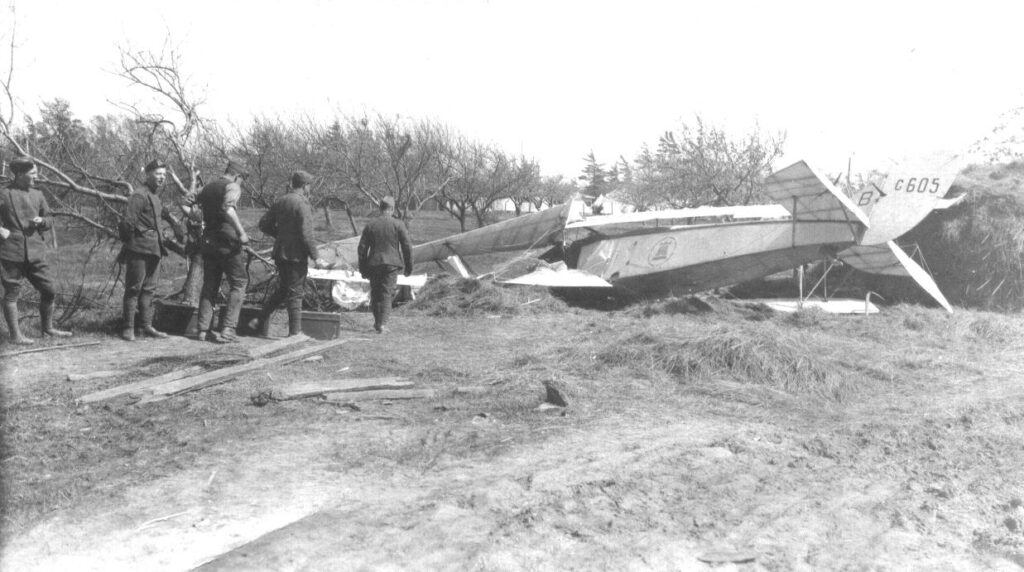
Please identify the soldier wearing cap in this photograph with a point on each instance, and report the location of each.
(290, 222)
(142, 251)
(24, 216)
(222, 248)
(384, 250)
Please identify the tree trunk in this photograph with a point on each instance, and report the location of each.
(327, 218)
(194, 280)
(351, 220)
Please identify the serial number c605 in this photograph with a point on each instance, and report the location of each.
(917, 185)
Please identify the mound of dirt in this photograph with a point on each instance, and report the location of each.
(451, 296)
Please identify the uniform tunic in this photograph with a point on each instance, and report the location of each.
(17, 209)
(143, 213)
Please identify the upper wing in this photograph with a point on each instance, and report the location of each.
(809, 196)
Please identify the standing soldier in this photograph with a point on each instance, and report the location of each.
(223, 242)
(290, 222)
(143, 249)
(24, 215)
(384, 249)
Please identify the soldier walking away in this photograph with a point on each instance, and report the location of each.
(290, 222)
(142, 251)
(24, 216)
(384, 250)
(223, 256)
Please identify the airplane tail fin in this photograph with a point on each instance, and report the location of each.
(905, 197)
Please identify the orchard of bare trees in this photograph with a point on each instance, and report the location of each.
(89, 166)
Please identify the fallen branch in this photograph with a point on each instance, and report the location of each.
(110, 232)
(148, 523)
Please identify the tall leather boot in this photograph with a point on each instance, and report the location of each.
(295, 318)
(146, 313)
(11, 315)
(46, 317)
(128, 320)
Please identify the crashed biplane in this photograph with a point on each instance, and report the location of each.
(682, 251)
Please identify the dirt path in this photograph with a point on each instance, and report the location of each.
(650, 496)
(920, 480)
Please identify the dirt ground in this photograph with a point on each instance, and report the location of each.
(918, 474)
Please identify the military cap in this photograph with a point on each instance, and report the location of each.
(236, 168)
(301, 179)
(387, 203)
(21, 164)
(154, 165)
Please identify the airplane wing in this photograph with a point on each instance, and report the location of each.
(890, 260)
(559, 277)
(660, 220)
(520, 233)
(809, 196)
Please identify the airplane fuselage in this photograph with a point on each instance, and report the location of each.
(687, 259)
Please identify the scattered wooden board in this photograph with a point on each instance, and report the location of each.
(96, 374)
(49, 348)
(312, 389)
(727, 556)
(276, 345)
(140, 386)
(388, 394)
(214, 377)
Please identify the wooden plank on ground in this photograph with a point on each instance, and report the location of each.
(311, 389)
(139, 386)
(214, 377)
(49, 348)
(384, 394)
(276, 345)
(96, 374)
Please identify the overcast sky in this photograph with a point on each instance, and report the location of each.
(553, 80)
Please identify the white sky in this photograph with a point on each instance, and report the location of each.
(552, 80)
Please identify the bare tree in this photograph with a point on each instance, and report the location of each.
(704, 166)
(525, 184)
(176, 129)
(464, 165)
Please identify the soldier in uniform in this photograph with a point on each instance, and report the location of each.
(223, 256)
(384, 250)
(143, 249)
(24, 216)
(290, 222)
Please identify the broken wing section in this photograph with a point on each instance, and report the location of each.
(520, 233)
(890, 260)
(558, 276)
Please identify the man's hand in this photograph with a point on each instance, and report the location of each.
(320, 263)
(4, 233)
(244, 238)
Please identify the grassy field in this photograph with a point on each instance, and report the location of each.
(816, 441)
